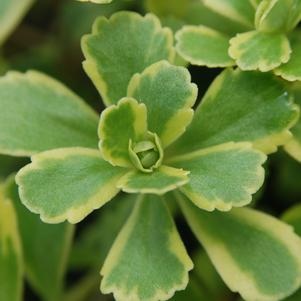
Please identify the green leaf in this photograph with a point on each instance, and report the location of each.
(236, 10)
(168, 94)
(230, 112)
(291, 71)
(255, 254)
(293, 146)
(262, 51)
(67, 184)
(160, 181)
(222, 176)
(118, 125)
(118, 48)
(11, 13)
(276, 16)
(45, 274)
(143, 264)
(11, 261)
(94, 241)
(203, 46)
(37, 113)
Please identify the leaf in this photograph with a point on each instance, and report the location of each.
(168, 94)
(11, 261)
(118, 48)
(262, 51)
(203, 46)
(144, 264)
(94, 241)
(293, 146)
(230, 112)
(160, 181)
(255, 254)
(118, 125)
(38, 113)
(223, 176)
(11, 13)
(45, 276)
(276, 16)
(235, 10)
(77, 181)
(291, 71)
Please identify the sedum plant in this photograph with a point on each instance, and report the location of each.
(152, 145)
(265, 37)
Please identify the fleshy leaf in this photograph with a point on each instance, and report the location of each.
(230, 112)
(255, 254)
(222, 176)
(94, 241)
(11, 261)
(38, 113)
(160, 181)
(262, 51)
(11, 13)
(118, 125)
(236, 10)
(45, 276)
(293, 146)
(276, 16)
(118, 48)
(77, 181)
(291, 71)
(203, 46)
(146, 265)
(168, 94)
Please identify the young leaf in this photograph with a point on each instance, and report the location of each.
(11, 13)
(291, 71)
(11, 261)
(222, 176)
(118, 125)
(168, 94)
(117, 49)
(230, 112)
(94, 242)
(45, 276)
(160, 181)
(255, 50)
(143, 264)
(276, 16)
(236, 10)
(203, 46)
(293, 146)
(37, 113)
(77, 181)
(255, 254)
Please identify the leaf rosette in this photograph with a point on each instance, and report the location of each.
(264, 37)
(150, 142)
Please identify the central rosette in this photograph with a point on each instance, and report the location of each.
(146, 155)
